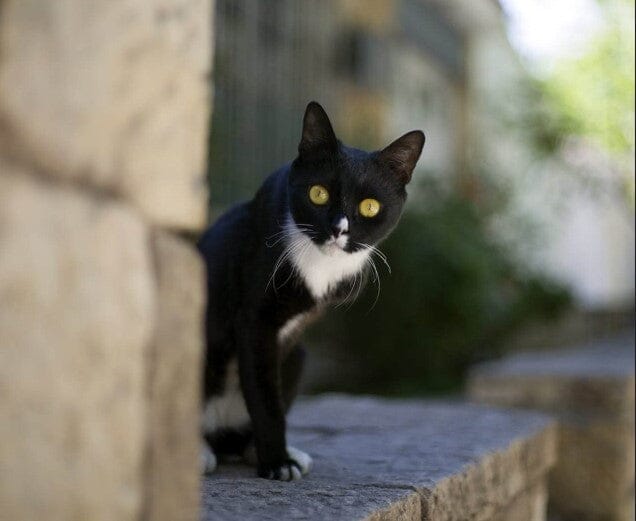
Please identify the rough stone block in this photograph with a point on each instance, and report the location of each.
(77, 310)
(591, 391)
(389, 460)
(527, 506)
(174, 367)
(114, 94)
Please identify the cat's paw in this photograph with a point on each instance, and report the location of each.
(289, 470)
(302, 458)
(297, 464)
(207, 460)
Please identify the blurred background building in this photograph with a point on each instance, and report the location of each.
(379, 67)
(516, 231)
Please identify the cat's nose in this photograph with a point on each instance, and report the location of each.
(339, 226)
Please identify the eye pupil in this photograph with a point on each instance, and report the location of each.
(369, 207)
(318, 194)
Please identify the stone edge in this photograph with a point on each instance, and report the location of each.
(484, 488)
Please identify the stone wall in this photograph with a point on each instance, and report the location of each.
(591, 391)
(104, 107)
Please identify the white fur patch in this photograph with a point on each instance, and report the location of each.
(228, 409)
(341, 241)
(302, 458)
(343, 225)
(286, 473)
(323, 267)
(291, 327)
(208, 459)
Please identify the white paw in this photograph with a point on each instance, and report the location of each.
(288, 471)
(302, 458)
(207, 459)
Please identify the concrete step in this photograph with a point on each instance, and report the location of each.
(408, 460)
(590, 390)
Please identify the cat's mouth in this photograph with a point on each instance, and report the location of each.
(335, 245)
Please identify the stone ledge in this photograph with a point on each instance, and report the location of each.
(591, 391)
(379, 459)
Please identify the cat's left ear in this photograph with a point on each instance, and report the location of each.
(401, 156)
(318, 135)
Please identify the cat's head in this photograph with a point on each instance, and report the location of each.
(343, 198)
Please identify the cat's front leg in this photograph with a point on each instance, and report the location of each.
(291, 369)
(260, 375)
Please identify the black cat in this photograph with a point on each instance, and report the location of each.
(273, 264)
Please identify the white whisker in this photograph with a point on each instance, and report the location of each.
(353, 285)
(376, 251)
(294, 236)
(376, 278)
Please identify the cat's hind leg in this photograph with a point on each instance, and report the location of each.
(207, 459)
(223, 445)
(229, 443)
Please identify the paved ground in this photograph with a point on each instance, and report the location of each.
(371, 454)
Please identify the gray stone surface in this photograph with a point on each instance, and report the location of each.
(609, 357)
(577, 384)
(382, 459)
(591, 391)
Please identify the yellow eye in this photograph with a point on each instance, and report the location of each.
(318, 194)
(369, 207)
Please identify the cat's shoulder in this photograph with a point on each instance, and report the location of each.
(246, 220)
(274, 187)
(228, 224)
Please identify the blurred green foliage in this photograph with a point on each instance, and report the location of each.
(591, 94)
(454, 296)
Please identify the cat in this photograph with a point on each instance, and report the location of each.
(304, 242)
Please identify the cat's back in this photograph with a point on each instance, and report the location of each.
(223, 241)
(237, 226)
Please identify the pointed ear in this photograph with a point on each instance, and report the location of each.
(318, 135)
(401, 156)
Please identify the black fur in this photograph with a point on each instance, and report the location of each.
(246, 310)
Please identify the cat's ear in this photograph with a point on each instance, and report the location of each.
(401, 156)
(318, 135)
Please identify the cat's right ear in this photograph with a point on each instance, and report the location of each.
(318, 135)
(401, 156)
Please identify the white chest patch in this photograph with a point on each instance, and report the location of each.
(227, 410)
(322, 268)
